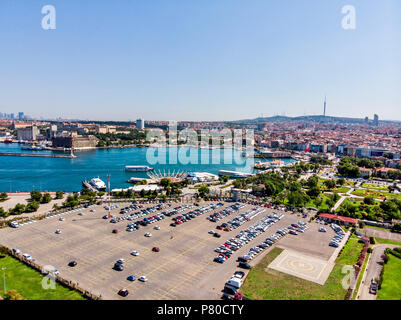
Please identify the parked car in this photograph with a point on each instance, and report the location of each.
(72, 263)
(131, 278)
(244, 265)
(118, 267)
(123, 292)
(115, 231)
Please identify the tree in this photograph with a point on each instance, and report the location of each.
(59, 194)
(36, 195)
(313, 192)
(3, 196)
(3, 213)
(46, 198)
(313, 181)
(165, 182)
(32, 206)
(330, 184)
(369, 201)
(341, 182)
(71, 201)
(17, 210)
(203, 191)
(224, 178)
(56, 207)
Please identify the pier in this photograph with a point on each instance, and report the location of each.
(37, 155)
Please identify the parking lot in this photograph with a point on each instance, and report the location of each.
(183, 269)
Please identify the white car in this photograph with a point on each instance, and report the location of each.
(58, 231)
(61, 219)
(156, 228)
(121, 261)
(148, 234)
(211, 232)
(92, 210)
(16, 251)
(143, 279)
(27, 256)
(135, 253)
(80, 213)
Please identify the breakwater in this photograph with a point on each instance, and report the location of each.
(37, 155)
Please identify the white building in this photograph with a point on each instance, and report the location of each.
(140, 124)
(27, 134)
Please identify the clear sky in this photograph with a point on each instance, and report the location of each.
(200, 59)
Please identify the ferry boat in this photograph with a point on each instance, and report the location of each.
(95, 183)
(31, 147)
(138, 168)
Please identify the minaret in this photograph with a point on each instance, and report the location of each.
(325, 103)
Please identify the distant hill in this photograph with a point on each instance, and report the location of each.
(317, 118)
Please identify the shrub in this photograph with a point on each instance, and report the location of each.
(13, 295)
(370, 250)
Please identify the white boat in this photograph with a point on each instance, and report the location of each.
(98, 184)
(31, 147)
(138, 168)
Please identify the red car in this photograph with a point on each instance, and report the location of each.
(115, 231)
(178, 222)
(155, 249)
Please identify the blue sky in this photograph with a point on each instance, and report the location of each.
(200, 59)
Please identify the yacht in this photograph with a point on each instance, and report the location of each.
(98, 184)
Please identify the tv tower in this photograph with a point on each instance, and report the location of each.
(325, 103)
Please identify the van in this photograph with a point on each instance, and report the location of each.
(234, 282)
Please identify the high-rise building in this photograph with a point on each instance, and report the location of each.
(140, 124)
(376, 120)
(21, 116)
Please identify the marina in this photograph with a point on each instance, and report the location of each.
(47, 170)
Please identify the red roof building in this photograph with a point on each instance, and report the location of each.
(338, 219)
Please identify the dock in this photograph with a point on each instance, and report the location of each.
(37, 155)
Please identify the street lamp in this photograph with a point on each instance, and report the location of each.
(4, 278)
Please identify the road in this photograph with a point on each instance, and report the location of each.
(372, 272)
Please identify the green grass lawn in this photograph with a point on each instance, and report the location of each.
(391, 286)
(267, 284)
(385, 241)
(376, 194)
(351, 251)
(28, 283)
(374, 186)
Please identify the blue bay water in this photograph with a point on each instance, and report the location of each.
(51, 174)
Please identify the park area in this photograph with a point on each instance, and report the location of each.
(27, 282)
(391, 286)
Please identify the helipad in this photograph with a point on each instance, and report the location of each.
(302, 266)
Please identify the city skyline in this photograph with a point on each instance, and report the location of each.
(201, 61)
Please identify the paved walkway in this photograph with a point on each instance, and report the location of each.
(373, 269)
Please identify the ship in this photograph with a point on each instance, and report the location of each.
(8, 141)
(95, 183)
(138, 168)
(31, 147)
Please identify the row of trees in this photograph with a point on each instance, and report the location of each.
(36, 199)
(369, 210)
